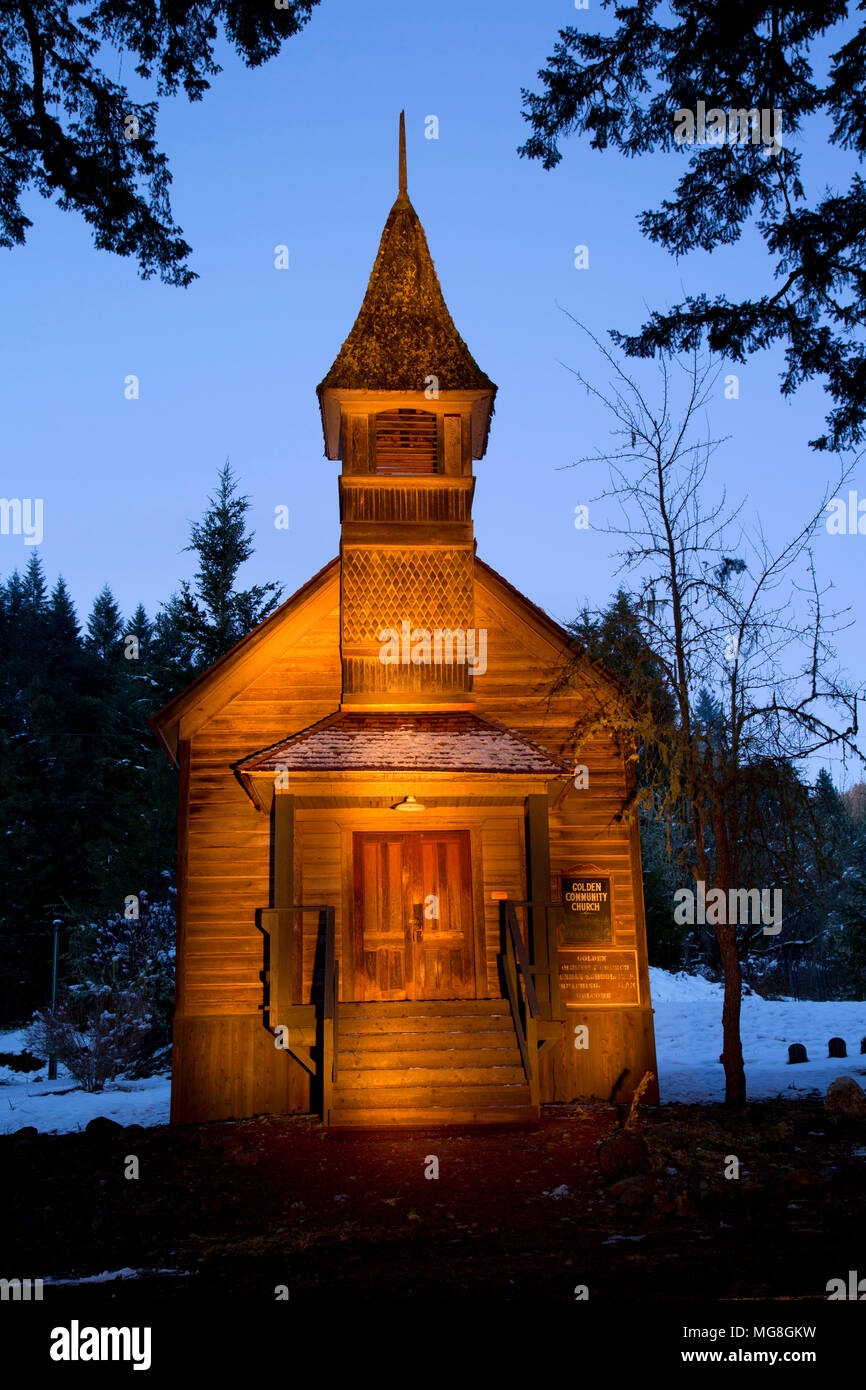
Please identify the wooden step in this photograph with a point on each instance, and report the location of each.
(409, 1008)
(383, 1118)
(348, 1026)
(373, 1079)
(476, 1039)
(447, 1058)
(402, 1097)
(405, 1064)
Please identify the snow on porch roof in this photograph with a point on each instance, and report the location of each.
(407, 743)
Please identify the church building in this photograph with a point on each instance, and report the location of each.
(404, 896)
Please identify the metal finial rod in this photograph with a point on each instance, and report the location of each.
(402, 172)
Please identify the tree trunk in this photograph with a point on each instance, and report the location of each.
(726, 935)
(732, 1047)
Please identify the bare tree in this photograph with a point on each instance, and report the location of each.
(737, 630)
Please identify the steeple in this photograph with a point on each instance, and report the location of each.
(406, 408)
(404, 338)
(401, 175)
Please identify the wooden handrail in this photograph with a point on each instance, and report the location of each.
(552, 973)
(516, 958)
(522, 957)
(329, 1011)
(335, 1037)
(330, 1001)
(511, 990)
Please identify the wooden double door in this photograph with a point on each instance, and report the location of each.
(413, 918)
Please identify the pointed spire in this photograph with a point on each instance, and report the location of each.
(404, 333)
(402, 163)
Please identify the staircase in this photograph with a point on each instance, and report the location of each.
(442, 1062)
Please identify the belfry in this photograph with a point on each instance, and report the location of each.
(407, 409)
(397, 904)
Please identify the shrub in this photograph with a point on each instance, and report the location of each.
(129, 958)
(96, 1041)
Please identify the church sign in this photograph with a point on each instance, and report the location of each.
(586, 907)
(598, 977)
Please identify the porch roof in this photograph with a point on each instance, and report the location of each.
(345, 742)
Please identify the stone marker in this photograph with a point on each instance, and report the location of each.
(797, 1053)
(837, 1048)
(102, 1127)
(845, 1097)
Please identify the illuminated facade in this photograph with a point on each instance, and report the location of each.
(398, 904)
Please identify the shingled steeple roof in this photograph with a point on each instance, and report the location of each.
(404, 332)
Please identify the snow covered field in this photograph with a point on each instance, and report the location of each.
(688, 1023)
(56, 1107)
(688, 1012)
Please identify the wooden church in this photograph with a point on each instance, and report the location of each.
(398, 902)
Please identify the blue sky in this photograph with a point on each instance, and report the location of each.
(303, 152)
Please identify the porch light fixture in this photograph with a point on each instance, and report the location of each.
(408, 804)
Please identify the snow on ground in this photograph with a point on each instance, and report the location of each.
(58, 1107)
(688, 1026)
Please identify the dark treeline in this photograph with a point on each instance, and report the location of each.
(806, 840)
(87, 797)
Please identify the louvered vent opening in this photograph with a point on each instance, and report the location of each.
(406, 442)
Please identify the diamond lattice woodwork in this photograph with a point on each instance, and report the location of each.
(384, 588)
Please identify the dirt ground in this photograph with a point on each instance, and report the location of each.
(244, 1207)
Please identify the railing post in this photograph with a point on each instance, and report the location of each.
(522, 959)
(509, 972)
(310, 1025)
(327, 1068)
(514, 957)
(538, 866)
(329, 1016)
(281, 925)
(556, 1013)
(329, 962)
(532, 1049)
(336, 1036)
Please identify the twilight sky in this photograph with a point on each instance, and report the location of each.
(304, 152)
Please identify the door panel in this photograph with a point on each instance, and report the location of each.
(413, 915)
(442, 950)
(382, 926)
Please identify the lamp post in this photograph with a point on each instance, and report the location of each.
(52, 1060)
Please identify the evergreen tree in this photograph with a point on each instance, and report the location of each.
(206, 618)
(140, 627)
(76, 136)
(75, 826)
(105, 625)
(87, 797)
(62, 626)
(34, 591)
(631, 89)
(841, 872)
